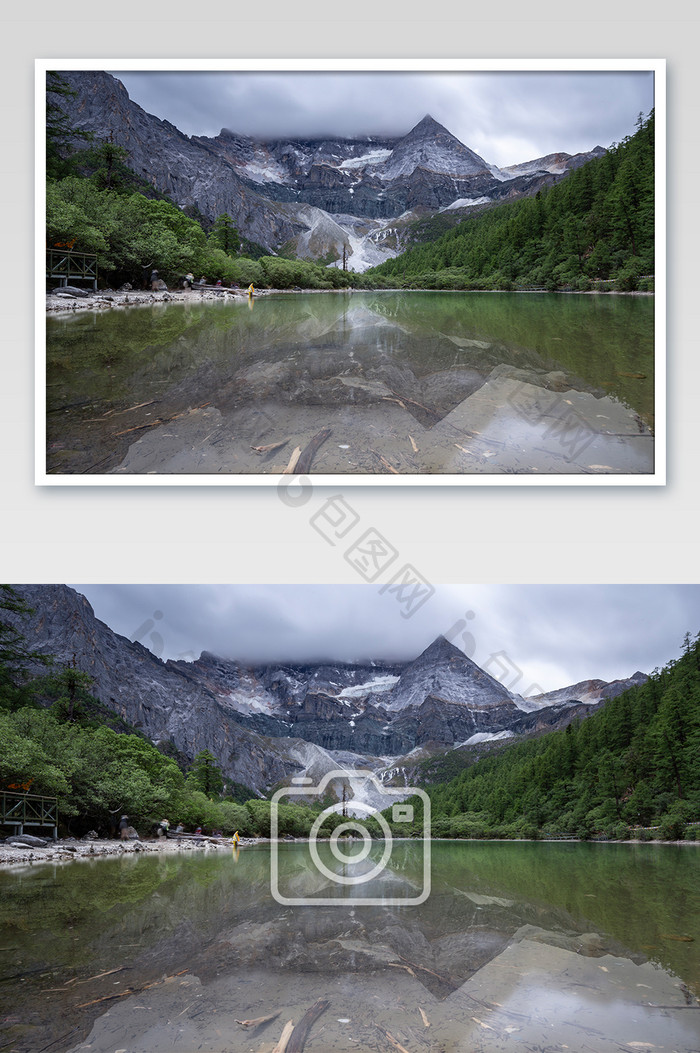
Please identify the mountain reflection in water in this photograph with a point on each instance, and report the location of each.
(551, 945)
(420, 383)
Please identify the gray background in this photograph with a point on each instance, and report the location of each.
(494, 534)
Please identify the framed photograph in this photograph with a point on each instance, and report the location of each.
(366, 272)
(232, 812)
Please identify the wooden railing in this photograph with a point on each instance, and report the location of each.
(66, 266)
(28, 809)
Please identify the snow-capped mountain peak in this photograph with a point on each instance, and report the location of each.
(429, 145)
(350, 198)
(263, 723)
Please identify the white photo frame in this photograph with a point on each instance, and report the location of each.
(656, 477)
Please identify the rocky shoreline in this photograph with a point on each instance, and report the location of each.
(67, 849)
(106, 299)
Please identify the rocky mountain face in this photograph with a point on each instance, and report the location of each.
(556, 164)
(317, 195)
(265, 724)
(428, 169)
(587, 691)
(173, 163)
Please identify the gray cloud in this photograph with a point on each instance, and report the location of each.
(551, 635)
(506, 117)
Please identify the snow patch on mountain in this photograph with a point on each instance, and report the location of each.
(531, 703)
(485, 736)
(499, 173)
(466, 202)
(374, 157)
(380, 683)
(365, 253)
(264, 170)
(366, 242)
(245, 700)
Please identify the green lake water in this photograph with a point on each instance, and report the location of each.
(421, 383)
(518, 946)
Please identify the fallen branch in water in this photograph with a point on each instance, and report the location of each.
(301, 1031)
(107, 998)
(118, 413)
(422, 969)
(653, 1005)
(310, 450)
(270, 446)
(130, 990)
(482, 1024)
(57, 1040)
(76, 981)
(97, 464)
(259, 1020)
(390, 1038)
(389, 467)
(420, 405)
(100, 975)
(284, 1037)
(161, 420)
(296, 454)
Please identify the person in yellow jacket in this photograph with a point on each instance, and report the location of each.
(235, 840)
(251, 290)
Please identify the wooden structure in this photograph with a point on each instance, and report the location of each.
(28, 809)
(66, 266)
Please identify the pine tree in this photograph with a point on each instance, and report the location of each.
(15, 655)
(60, 133)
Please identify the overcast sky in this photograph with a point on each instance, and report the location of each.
(506, 117)
(550, 636)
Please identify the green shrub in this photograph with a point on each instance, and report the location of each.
(672, 827)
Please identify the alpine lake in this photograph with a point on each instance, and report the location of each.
(538, 947)
(381, 383)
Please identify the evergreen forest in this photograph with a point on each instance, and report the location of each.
(631, 768)
(596, 226)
